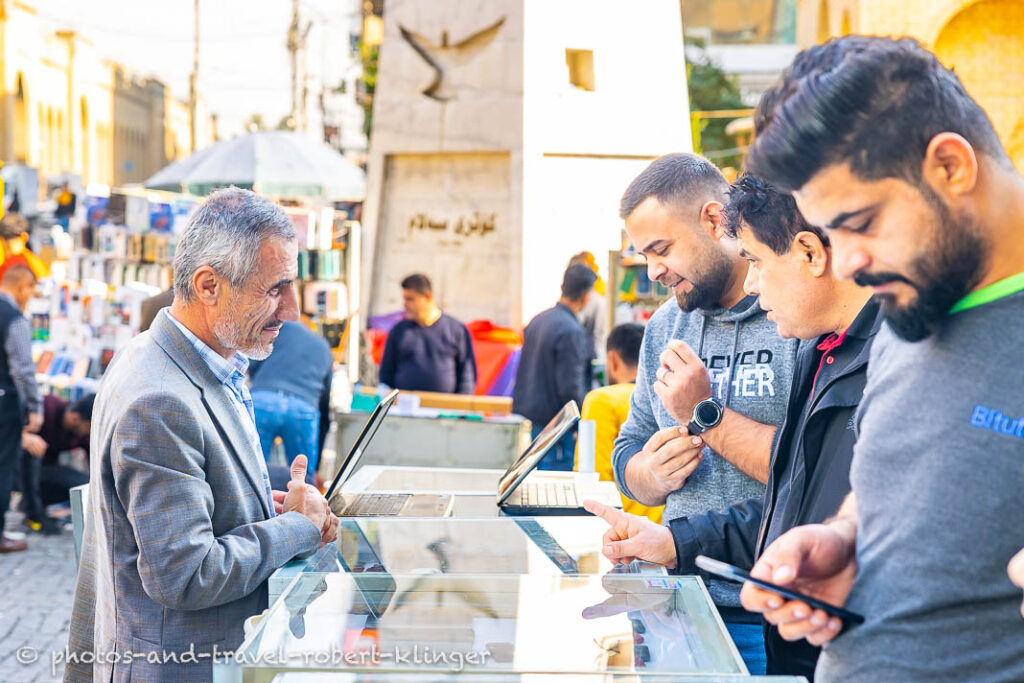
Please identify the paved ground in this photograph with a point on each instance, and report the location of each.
(36, 589)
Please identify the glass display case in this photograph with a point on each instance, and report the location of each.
(487, 624)
(520, 545)
(475, 491)
(448, 545)
(495, 677)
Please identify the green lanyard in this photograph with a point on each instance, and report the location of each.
(994, 292)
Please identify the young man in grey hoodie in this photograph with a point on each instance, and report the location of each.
(714, 376)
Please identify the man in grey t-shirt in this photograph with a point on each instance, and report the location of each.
(882, 147)
(710, 345)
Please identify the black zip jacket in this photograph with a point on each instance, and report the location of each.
(551, 365)
(808, 478)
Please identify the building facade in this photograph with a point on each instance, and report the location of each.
(980, 39)
(65, 109)
(504, 134)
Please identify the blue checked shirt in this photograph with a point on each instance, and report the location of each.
(231, 374)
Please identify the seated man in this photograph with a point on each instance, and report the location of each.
(810, 460)
(429, 350)
(608, 407)
(44, 481)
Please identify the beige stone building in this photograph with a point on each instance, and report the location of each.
(65, 109)
(504, 133)
(983, 40)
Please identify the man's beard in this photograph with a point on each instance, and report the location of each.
(709, 286)
(942, 276)
(230, 333)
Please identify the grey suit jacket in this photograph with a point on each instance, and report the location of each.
(179, 541)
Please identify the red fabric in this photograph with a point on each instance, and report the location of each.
(376, 339)
(492, 346)
(827, 346)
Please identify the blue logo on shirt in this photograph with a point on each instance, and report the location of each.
(994, 420)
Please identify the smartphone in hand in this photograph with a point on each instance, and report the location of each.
(732, 573)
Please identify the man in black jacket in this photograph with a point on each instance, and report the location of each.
(552, 365)
(809, 473)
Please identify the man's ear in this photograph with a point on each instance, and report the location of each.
(614, 361)
(811, 252)
(208, 285)
(950, 166)
(712, 219)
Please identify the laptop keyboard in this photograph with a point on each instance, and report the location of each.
(547, 494)
(375, 505)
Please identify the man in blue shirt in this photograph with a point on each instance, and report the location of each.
(429, 350)
(291, 393)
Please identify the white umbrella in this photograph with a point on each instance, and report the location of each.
(280, 163)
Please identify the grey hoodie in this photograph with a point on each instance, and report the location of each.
(742, 349)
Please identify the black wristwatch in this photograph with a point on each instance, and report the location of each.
(706, 414)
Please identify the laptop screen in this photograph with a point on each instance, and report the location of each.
(348, 465)
(551, 434)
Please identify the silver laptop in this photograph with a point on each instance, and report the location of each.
(380, 504)
(518, 496)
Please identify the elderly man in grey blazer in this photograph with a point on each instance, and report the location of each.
(182, 529)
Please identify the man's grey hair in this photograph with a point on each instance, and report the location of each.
(677, 180)
(225, 233)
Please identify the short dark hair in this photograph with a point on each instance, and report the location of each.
(771, 215)
(625, 340)
(678, 180)
(873, 103)
(577, 281)
(83, 406)
(817, 58)
(17, 275)
(417, 282)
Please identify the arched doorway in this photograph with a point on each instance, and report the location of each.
(824, 30)
(86, 171)
(20, 142)
(983, 43)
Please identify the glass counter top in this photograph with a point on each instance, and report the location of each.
(437, 479)
(448, 545)
(494, 677)
(384, 622)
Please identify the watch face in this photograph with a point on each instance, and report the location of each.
(708, 413)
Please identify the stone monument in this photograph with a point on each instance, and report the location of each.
(504, 133)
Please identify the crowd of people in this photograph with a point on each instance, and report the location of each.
(877, 464)
(35, 430)
(828, 399)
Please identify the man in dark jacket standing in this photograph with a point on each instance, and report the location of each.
(552, 366)
(19, 395)
(810, 464)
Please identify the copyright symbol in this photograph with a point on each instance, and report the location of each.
(26, 655)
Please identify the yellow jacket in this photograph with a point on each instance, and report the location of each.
(608, 408)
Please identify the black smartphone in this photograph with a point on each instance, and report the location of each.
(731, 573)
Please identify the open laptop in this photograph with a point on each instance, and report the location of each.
(516, 496)
(380, 504)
